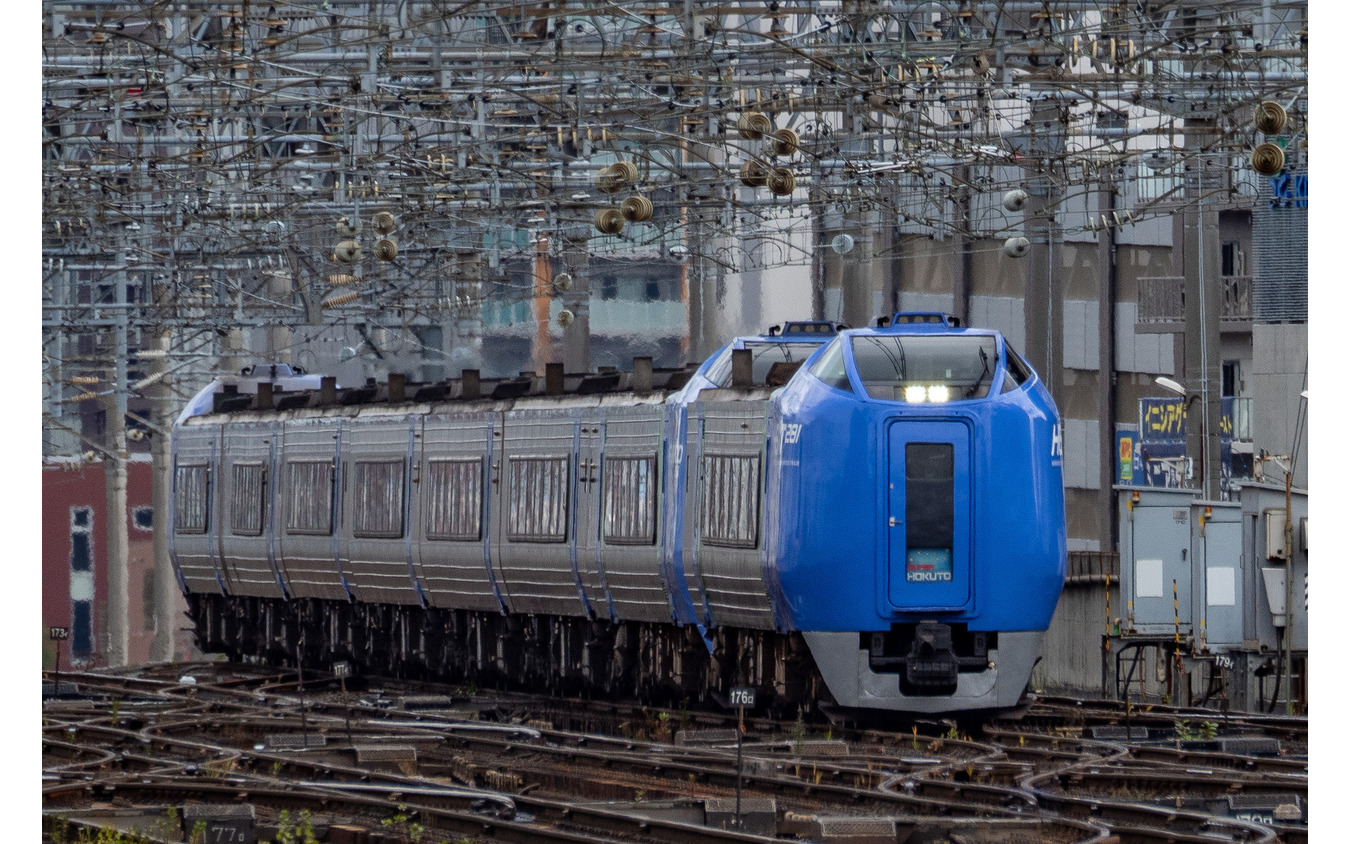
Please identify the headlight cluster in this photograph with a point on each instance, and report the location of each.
(916, 393)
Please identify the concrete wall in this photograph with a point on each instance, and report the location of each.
(1278, 376)
(1071, 661)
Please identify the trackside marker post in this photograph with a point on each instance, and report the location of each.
(741, 697)
(58, 635)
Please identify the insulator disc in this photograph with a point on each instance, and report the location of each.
(347, 251)
(627, 171)
(1270, 117)
(609, 220)
(754, 125)
(786, 142)
(332, 300)
(384, 222)
(781, 181)
(753, 174)
(636, 209)
(1267, 159)
(606, 181)
(386, 249)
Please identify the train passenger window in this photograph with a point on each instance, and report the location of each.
(538, 509)
(729, 506)
(1017, 372)
(918, 369)
(630, 500)
(763, 356)
(309, 492)
(377, 500)
(455, 499)
(247, 498)
(830, 367)
(192, 498)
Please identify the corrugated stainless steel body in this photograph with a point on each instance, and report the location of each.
(724, 509)
(533, 526)
(631, 479)
(196, 451)
(454, 544)
(246, 486)
(379, 446)
(310, 472)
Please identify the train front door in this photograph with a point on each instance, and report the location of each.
(928, 515)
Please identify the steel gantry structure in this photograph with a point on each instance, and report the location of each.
(321, 180)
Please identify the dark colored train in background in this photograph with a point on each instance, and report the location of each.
(864, 518)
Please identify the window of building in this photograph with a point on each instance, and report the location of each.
(143, 518)
(81, 583)
(1232, 259)
(1232, 372)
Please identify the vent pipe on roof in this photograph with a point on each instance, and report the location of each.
(642, 375)
(470, 387)
(553, 379)
(742, 369)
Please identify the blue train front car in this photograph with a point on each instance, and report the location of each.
(920, 544)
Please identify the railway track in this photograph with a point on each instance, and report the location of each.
(408, 761)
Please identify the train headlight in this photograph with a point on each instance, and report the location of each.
(939, 393)
(915, 394)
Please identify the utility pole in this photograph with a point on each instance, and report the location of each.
(1204, 303)
(166, 588)
(115, 410)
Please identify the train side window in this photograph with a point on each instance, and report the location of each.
(248, 500)
(377, 503)
(192, 498)
(729, 504)
(538, 511)
(630, 500)
(455, 499)
(1016, 373)
(309, 491)
(830, 367)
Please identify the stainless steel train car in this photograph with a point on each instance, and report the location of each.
(659, 534)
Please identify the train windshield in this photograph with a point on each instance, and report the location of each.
(933, 368)
(764, 355)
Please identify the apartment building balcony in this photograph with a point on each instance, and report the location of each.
(1162, 304)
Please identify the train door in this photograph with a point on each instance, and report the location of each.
(247, 536)
(928, 517)
(586, 536)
